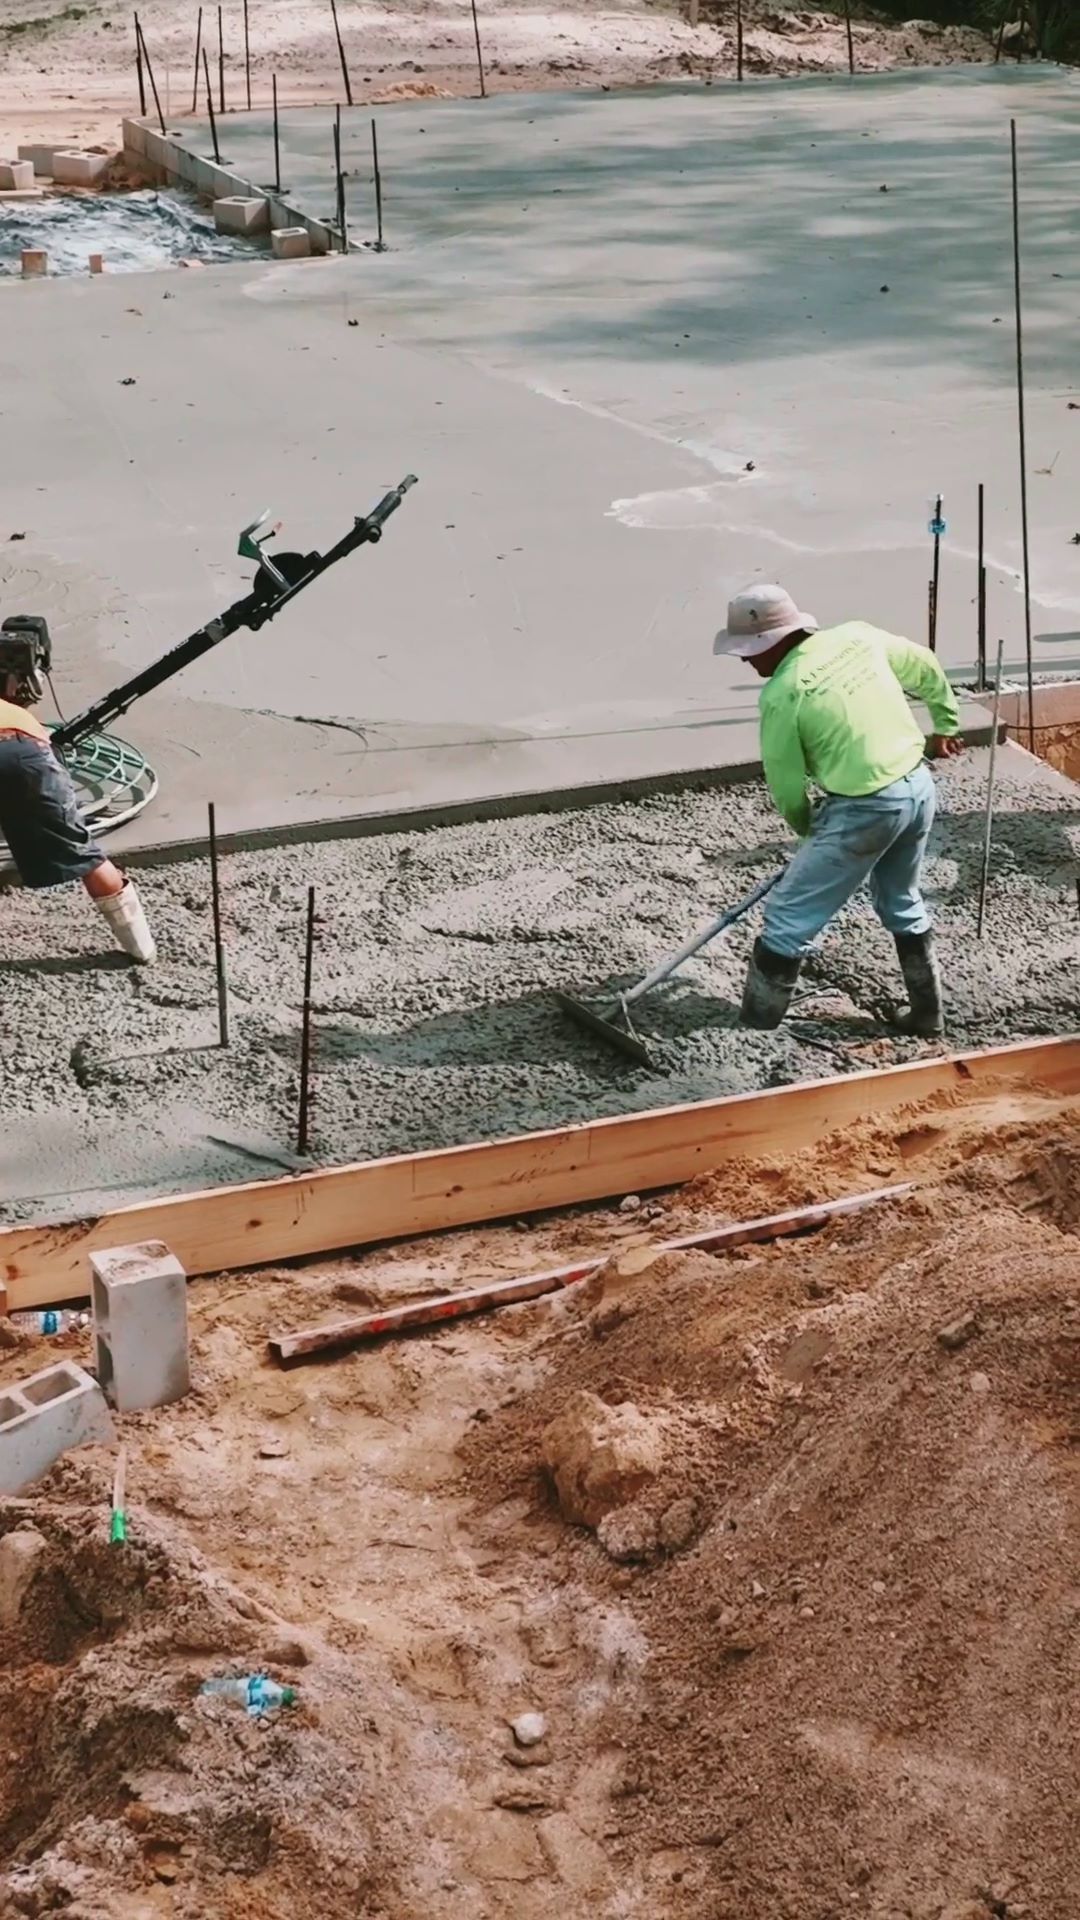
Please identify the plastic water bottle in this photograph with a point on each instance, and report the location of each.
(51, 1320)
(254, 1691)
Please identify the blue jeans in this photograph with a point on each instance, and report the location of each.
(880, 837)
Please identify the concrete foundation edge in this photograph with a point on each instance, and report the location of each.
(166, 156)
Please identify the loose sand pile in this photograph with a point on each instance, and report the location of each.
(815, 1656)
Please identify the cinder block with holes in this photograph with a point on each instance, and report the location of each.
(140, 1325)
(79, 169)
(16, 174)
(290, 243)
(234, 213)
(40, 158)
(44, 1415)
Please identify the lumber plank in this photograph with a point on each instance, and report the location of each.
(353, 1328)
(341, 1207)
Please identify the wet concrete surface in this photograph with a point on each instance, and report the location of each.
(437, 953)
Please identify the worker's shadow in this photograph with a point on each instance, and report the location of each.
(52, 963)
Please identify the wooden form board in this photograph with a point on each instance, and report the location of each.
(393, 1199)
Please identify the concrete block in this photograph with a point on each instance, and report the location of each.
(79, 169)
(234, 214)
(140, 1325)
(16, 174)
(97, 263)
(291, 243)
(44, 1415)
(40, 158)
(34, 262)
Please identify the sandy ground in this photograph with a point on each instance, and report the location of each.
(69, 70)
(814, 1655)
(436, 954)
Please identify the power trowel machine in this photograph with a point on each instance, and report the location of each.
(112, 780)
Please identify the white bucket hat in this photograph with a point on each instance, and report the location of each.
(759, 619)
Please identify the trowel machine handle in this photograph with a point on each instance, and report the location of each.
(279, 579)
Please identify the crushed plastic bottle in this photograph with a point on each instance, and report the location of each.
(254, 1691)
(51, 1321)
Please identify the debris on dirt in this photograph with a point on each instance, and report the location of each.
(600, 1457)
(958, 1332)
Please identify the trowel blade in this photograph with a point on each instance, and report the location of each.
(607, 1030)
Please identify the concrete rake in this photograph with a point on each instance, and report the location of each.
(612, 1023)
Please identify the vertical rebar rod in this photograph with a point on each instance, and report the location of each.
(379, 244)
(341, 54)
(247, 57)
(980, 645)
(277, 143)
(198, 51)
(935, 582)
(850, 40)
(989, 823)
(342, 218)
(738, 40)
(1023, 440)
(139, 68)
(479, 54)
(150, 72)
(219, 945)
(210, 106)
(1001, 32)
(221, 60)
(305, 1031)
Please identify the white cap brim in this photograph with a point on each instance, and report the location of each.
(750, 646)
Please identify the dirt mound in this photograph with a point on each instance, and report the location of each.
(861, 1690)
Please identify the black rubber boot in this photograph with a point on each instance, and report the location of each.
(925, 1015)
(770, 983)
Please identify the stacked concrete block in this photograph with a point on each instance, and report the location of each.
(44, 1415)
(16, 175)
(40, 158)
(290, 243)
(79, 169)
(140, 1325)
(236, 214)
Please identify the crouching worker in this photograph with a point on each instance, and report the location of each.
(834, 711)
(46, 836)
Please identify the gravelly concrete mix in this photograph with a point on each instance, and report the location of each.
(436, 955)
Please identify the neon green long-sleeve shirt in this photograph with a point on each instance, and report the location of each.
(835, 712)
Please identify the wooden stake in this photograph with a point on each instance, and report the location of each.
(247, 57)
(219, 945)
(139, 69)
(353, 1328)
(988, 826)
(850, 41)
(341, 54)
(198, 51)
(380, 245)
(210, 107)
(980, 650)
(221, 61)
(305, 1031)
(479, 54)
(277, 144)
(150, 72)
(1023, 440)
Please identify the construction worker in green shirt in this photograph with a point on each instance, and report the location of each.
(834, 712)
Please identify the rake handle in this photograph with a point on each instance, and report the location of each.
(700, 939)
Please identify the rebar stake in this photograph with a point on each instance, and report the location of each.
(219, 945)
(1023, 440)
(305, 1031)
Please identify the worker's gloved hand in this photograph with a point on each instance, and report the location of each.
(944, 746)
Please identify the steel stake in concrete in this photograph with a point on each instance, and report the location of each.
(139, 68)
(305, 1031)
(988, 826)
(980, 651)
(221, 61)
(341, 54)
(738, 40)
(479, 55)
(219, 945)
(247, 58)
(380, 244)
(850, 41)
(198, 51)
(150, 72)
(937, 528)
(1023, 438)
(277, 143)
(210, 108)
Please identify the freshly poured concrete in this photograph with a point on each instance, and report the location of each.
(436, 957)
(635, 347)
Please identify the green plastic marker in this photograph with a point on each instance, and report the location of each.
(118, 1521)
